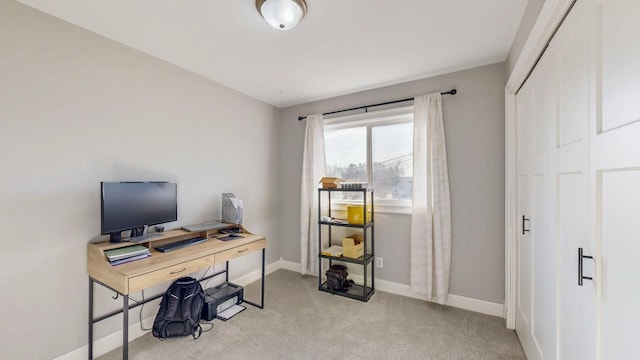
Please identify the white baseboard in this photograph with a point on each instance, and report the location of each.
(106, 344)
(458, 301)
(477, 305)
(288, 265)
(252, 276)
(114, 340)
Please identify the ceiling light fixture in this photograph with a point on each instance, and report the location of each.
(282, 14)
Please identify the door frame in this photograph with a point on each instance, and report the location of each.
(549, 18)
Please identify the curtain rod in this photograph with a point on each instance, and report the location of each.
(450, 92)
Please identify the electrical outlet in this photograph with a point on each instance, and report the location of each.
(379, 262)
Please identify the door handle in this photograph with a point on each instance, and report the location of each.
(581, 257)
(523, 220)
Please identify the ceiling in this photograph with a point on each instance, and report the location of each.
(340, 47)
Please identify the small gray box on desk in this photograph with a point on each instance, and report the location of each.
(220, 298)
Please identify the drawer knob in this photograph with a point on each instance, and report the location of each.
(241, 251)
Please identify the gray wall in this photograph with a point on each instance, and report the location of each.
(76, 109)
(526, 24)
(474, 123)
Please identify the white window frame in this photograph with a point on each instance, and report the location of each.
(397, 115)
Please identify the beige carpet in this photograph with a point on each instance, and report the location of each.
(300, 322)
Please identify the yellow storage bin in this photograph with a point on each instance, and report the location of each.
(355, 214)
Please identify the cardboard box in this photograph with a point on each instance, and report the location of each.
(330, 182)
(353, 246)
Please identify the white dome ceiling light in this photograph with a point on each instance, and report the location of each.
(282, 14)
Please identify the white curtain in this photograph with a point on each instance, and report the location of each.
(313, 169)
(431, 213)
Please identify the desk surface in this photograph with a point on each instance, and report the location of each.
(161, 267)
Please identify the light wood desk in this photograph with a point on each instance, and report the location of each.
(161, 267)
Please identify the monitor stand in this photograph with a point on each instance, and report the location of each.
(139, 231)
(115, 238)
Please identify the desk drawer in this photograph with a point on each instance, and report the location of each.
(240, 251)
(170, 273)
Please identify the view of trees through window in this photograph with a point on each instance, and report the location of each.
(391, 155)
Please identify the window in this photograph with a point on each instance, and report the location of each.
(375, 148)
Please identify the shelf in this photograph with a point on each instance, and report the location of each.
(347, 190)
(361, 260)
(361, 292)
(359, 226)
(355, 292)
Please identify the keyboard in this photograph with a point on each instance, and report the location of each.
(180, 244)
(144, 237)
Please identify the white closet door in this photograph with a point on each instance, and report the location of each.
(578, 178)
(576, 304)
(555, 316)
(535, 295)
(524, 249)
(615, 141)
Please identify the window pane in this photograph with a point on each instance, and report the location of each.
(346, 152)
(346, 157)
(392, 156)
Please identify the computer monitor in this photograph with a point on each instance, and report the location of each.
(134, 205)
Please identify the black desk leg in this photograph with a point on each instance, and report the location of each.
(125, 327)
(261, 306)
(90, 319)
(262, 292)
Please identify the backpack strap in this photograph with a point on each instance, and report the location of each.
(185, 312)
(173, 304)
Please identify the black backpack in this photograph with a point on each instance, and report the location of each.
(180, 310)
(337, 278)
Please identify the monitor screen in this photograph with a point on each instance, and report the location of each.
(132, 205)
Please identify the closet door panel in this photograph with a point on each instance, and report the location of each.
(620, 62)
(615, 136)
(576, 304)
(525, 112)
(573, 78)
(544, 268)
(618, 148)
(620, 257)
(525, 260)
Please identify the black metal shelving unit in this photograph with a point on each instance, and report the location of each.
(364, 291)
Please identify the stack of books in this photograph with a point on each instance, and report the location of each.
(126, 254)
